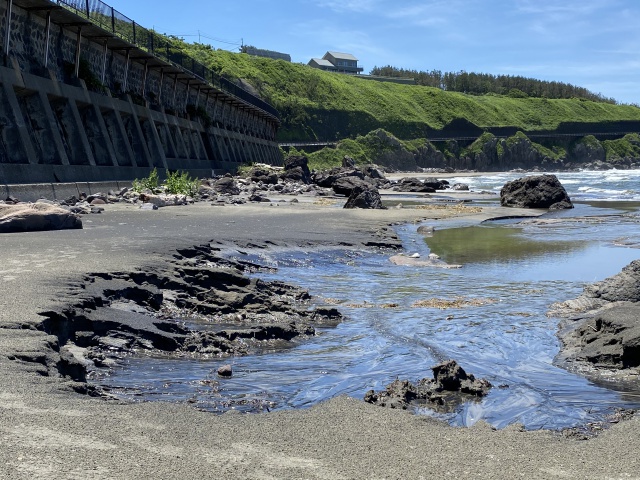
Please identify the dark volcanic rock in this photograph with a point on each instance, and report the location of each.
(114, 315)
(451, 377)
(435, 183)
(327, 178)
(226, 186)
(540, 191)
(609, 336)
(410, 184)
(296, 168)
(451, 385)
(296, 174)
(345, 185)
(608, 339)
(348, 162)
(365, 196)
(256, 197)
(264, 175)
(373, 172)
(623, 287)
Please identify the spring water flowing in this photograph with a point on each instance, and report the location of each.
(496, 325)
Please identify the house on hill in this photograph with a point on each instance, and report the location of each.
(337, 62)
(261, 52)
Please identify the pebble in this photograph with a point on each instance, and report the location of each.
(225, 371)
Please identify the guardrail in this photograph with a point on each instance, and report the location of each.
(111, 20)
(535, 135)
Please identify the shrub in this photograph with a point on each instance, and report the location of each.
(149, 183)
(180, 183)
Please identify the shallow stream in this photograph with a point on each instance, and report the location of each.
(496, 326)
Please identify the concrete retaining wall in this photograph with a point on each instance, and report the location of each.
(58, 191)
(55, 129)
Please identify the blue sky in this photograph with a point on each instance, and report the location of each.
(590, 43)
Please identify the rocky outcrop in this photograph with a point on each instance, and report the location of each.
(587, 150)
(296, 168)
(603, 328)
(343, 179)
(540, 191)
(450, 386)
(623, 287)
(389, 151)
(609, 339)
(346, 185)
(39, 216)
(226, 186)
(491, 153)
(263, 174)
(365, 196)
(412, 184)
(326, 178)
(114, 314)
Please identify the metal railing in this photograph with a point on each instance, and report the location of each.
(109, 19)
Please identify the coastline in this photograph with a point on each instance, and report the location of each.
(49, 431)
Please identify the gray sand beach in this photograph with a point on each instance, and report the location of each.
(50, 432)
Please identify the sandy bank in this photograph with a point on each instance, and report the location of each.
(48, 431)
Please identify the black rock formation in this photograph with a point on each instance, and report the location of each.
(539, 191)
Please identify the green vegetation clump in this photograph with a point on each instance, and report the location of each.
(478, 145)
(176, 183)
(181, 183)
(363, 149)
(625, 147)
(319, 105)
(487, 84)
(151, 182)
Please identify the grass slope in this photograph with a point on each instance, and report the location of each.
(321, 105)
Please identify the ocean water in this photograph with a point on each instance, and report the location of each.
(498, 327)
(585, 186)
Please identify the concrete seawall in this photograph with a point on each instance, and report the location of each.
(58, 191)
(55, 129)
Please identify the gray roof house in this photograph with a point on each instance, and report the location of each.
(337, 62)
(322, 64)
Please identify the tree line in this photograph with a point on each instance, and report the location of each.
(485, 83)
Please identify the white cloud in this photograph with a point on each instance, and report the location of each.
(360, 6)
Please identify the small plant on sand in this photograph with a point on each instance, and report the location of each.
(180, 183)
(149, 183)
(243, 170)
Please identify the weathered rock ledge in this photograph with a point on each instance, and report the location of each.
(601, 331)
(449, 387)
(198, 304)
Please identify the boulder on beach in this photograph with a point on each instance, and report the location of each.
(31, 217)
(415, 185)
(609, 339)
(622, 287)
(538, 191)
(264, 174)
(603, 328)
(365, 196)
(226, 186)
(450, 386)
(346, 185)
(296, 168)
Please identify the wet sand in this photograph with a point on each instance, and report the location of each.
(49, 431)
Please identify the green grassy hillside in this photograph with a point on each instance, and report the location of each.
(320, 105)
